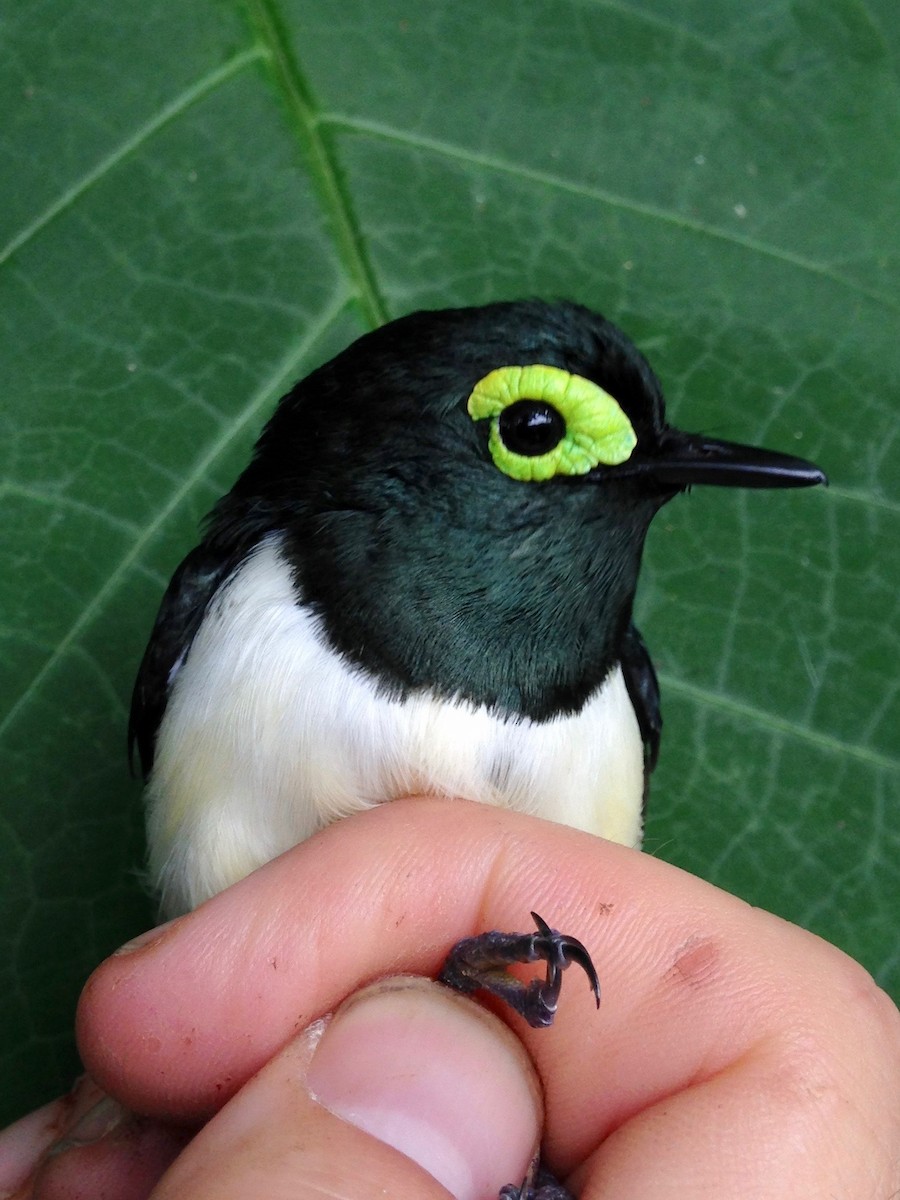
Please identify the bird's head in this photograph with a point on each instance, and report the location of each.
(464, 496)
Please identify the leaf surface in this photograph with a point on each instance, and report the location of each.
(201, 202)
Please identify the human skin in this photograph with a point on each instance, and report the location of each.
(734, 1055)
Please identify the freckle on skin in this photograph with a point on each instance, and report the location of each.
(695, 962)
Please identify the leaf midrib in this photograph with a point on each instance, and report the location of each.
(296, 94)
(308, 122)
(272, 46)
(387, 133)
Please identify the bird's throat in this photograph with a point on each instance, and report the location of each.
(527, 628)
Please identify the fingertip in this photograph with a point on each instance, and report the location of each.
(432, 1074)
(409, 1090)
(126, 1161)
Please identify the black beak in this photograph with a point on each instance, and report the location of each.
(684, 459)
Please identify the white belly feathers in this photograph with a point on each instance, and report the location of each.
(269, 735)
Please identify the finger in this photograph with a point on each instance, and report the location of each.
(278, 950)
(778, 1124)
(24, 1143)
(694, 982)
(390, 1097)
(113, 1153)
(84, 1144)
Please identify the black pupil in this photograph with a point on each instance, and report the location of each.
(531, 427)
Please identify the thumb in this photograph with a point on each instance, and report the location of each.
(408, 1090)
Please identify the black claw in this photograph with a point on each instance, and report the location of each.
(539, 1184)
(568, 949)
(481, 962)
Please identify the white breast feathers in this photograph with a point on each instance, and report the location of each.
(269, 735)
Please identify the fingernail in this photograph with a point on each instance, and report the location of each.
(98, 1122)
(433, 1075)
(27, 1142)
(149, 938)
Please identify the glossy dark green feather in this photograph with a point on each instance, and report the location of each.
(430, 567)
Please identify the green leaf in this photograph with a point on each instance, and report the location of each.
(203, 201)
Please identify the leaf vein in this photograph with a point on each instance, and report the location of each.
(296, 94)
(376, 129)
(655, 21)
(52, 498)
(777, 724)
(169, 112)
(284, 369)
(858, 496)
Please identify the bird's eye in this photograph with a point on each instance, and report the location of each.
(531, 427)
(546, 422)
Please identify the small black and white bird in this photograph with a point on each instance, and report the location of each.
(423, 583)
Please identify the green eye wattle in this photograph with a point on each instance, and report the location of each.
(546, 422)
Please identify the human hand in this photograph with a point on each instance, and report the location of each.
(733, 1055)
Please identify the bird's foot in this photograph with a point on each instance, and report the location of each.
(539, 1184)
(481, 962)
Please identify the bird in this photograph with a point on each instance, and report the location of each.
(423, 582)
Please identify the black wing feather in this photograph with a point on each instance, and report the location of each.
(180, 615)
(643, 688)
